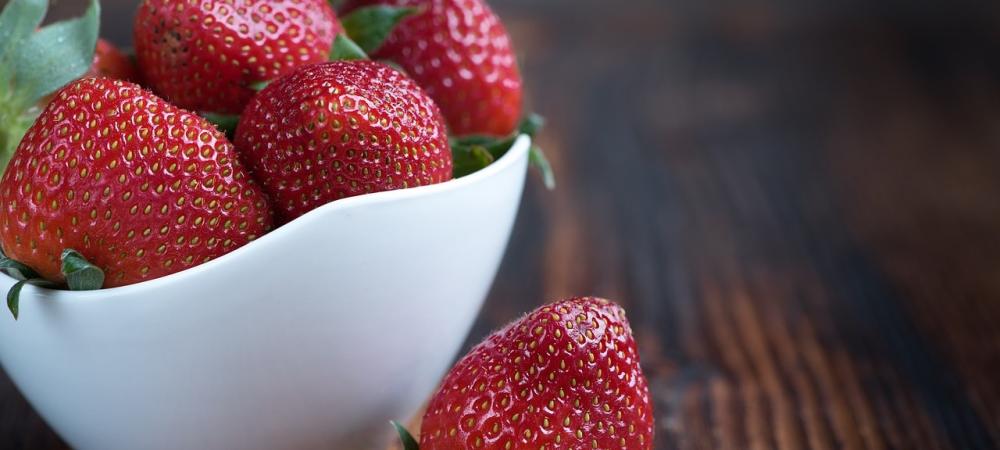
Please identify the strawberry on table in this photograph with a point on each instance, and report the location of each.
(460, 53)
(341, 129)
(565, 376)
(139, 187)
(206, 55)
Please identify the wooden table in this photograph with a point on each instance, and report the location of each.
(799, 207)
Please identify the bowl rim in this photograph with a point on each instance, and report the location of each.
(517, 150)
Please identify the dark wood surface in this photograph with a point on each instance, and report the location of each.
(799, 205)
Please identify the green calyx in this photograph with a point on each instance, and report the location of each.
(345, 49)
(473, 153)
(226, 123)
(365, 30)
(405, 438)
(35, 62)
(80, 275)
(370, 26)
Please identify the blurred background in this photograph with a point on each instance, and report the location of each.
(798, 202)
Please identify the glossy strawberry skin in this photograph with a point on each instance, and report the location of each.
(110, 62)
(204, 55)
(461, 54)
(138, 186)
(340, 129)
(565, 376)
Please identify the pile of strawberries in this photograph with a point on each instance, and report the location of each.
(236, 116)
(247, 115)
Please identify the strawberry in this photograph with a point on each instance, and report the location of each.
(341, 129)
(566, 376)
(460, 53)
(110, 62)
(139, 187)
(205, 55)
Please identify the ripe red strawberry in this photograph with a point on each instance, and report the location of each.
(138, 186)
(204, 55)
(110, 62)
(340, 129)
(565, 376)
(460, 53)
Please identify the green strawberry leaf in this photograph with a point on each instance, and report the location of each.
(55, 55)
(466, 150)
(16, 269)
(260, 85)
(468, 159)
(370, 26)
(346, 49)
(20, 272)
(473, 139)
(336, 4)
(36, 62)
(80, 274)
(405, 438)
(537, 158)
(14, 294)
(531, 125)
(18, 20)
(14, 297)
(226, 123)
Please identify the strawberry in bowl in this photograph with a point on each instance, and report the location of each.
(141, 187)
(459, 51)
(199, 290)
(205, 56)
(340, 129)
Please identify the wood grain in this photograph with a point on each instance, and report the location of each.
(799, 205)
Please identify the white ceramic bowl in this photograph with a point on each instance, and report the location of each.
(313, 336)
